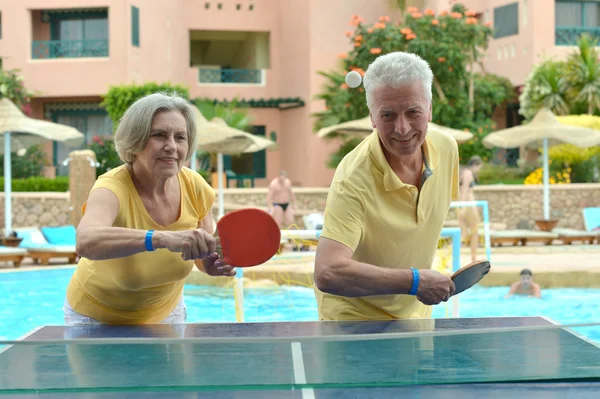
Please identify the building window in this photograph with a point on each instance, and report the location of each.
(74, 34)
(572, 18)
(506, 20)
(89, 118)
(254, 164)
(135, 26)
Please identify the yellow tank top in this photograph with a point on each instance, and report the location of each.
(143, 288)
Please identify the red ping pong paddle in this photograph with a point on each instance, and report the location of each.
(469, 275)
(247, 237)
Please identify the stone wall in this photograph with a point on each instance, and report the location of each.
(37, 209)
(517, 206)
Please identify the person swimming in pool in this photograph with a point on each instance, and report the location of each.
(281, 202)
(525, 286)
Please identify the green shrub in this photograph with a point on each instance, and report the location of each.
(38, 184)
(119, 98)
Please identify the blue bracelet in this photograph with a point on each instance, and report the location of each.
(415, 283)
(148, 242)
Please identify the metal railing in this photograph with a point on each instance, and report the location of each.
(231, 76)
(51, 49)
(567, 36)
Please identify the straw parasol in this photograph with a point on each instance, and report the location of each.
(21, 131)
(216, 136)
(363, 127)
(544, 130)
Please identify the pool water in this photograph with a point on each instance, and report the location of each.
(33, 298)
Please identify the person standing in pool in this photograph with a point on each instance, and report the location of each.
(525, 286)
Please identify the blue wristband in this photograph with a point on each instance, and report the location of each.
(415, 283)
(148, 242)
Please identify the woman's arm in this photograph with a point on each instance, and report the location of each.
(97, 239)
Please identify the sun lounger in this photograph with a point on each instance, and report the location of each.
(568, 236)
(523, 237)
(12, 254)
(49, 242)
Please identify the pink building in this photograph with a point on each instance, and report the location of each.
(267, 52)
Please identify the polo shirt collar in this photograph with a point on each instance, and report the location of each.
(390, 180)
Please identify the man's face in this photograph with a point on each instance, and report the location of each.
(401, 117)
(526, 280)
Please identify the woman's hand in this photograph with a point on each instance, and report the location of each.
(193, 244)
(214, 266)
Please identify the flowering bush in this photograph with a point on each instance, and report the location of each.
(105, 154)
(13, 88)
(453, 43)
(536, 177)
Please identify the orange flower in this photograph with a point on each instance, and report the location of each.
(370, 30)
(356, 20)
(347, 105)
(411, 36)
(466, 129)
(357, 44)
(416, 15)
(428, 11)
(488, 23)
(343, 55)
(450, 69)
(405, 31)
(442, 59)
(470, 13)
(435, 22)
(348, 34)
(410, 10)
(480, 130)
(443, 13)
(456, 15)
(379, 25)
(471, 21)
(376, 50)
(344, 86)
(384, 18)
(359, 70)
(358, 38)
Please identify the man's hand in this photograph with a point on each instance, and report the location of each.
(213, 266)
(434, 287)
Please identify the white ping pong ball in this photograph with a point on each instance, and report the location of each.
(353, 79)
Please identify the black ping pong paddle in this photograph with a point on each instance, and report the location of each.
(469, 275)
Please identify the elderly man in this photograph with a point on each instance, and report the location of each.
(387, 204)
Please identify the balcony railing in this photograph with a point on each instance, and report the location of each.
(230, 76)
(49, 49)
(568, 36)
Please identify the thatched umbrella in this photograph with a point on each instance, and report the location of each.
(216, 136)
(361, 128)
(21, 131)
(544, 130)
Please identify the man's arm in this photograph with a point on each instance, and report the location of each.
(537, 292)
(338, 274)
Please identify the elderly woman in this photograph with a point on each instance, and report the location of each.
(145, 224)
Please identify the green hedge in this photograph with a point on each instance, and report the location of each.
(38, 184)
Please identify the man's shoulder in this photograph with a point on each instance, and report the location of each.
(443, 142)
(353, 168)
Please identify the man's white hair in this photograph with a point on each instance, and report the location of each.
(395, 69)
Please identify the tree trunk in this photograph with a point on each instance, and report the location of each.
(439, 90)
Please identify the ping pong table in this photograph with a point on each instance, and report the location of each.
(435, 358)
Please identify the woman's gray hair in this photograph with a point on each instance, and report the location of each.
(395, 69)
(135, 125)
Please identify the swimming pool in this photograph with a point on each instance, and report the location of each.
(33, 298)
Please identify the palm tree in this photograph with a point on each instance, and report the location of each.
(583, 74)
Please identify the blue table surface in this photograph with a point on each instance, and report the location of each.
(541, 363)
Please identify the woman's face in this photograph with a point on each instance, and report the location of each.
(167, 146)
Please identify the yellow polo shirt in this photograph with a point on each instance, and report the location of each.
(143, 288)
(388, 223)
